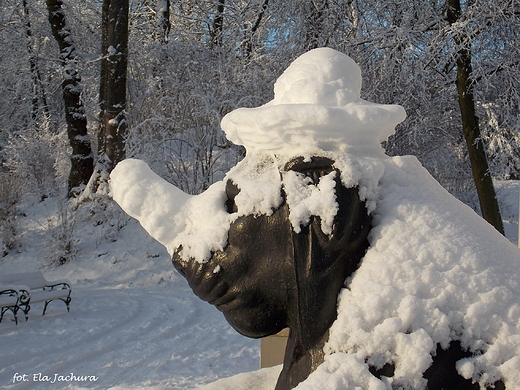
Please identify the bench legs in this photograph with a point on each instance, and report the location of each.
(25, 307)
(13, 309)
(15, 300)
(23, 303)
(64, 300)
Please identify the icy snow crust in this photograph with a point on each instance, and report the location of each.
(435, 271)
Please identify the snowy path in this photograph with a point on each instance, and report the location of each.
(132, 337)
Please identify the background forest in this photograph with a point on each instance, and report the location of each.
(86, 83)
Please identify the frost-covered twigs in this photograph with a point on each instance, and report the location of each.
(9, 198)
(62, 227)
(95, 213)
(36, 158)
(193, 151)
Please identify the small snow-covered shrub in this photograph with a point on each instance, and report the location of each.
(39, 158)
(94, 207)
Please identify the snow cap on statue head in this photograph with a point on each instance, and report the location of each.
(316, 107)
(322, 77)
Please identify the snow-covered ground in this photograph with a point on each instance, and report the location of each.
(133, 320)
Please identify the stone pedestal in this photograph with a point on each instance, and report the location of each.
(272, 349)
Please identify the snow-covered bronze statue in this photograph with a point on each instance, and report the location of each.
(269, 277)
(385, 280)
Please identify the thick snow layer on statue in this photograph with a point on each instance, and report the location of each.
(200, 223)
(148, 198)
(435, 271)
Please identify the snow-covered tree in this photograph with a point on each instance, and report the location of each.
(409, 53)
(112, 85)
(82, 163)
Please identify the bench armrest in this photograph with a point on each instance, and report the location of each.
(8, 290)
(24, 295)
(8, 296)
(22, 292)
(63, 284)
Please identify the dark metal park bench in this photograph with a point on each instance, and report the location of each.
(19, 290)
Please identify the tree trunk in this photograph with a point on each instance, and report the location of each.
(163, 19)
(39, 98)
(218, 25)
(477, 154)
(250, 33)
(112, 87)
(81, 158)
